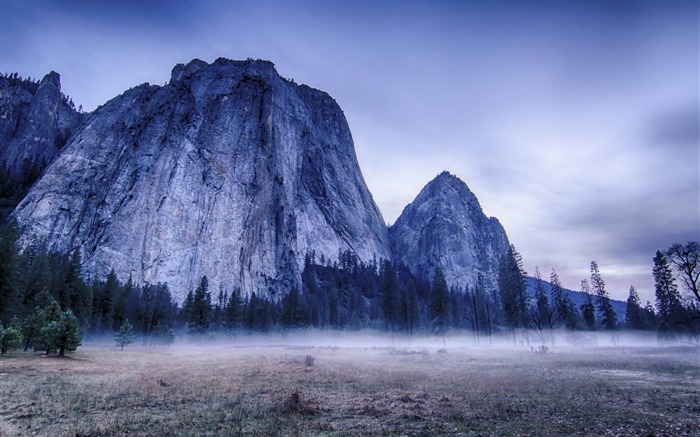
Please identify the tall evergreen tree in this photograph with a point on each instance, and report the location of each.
(9, 273)
(293, 311)
(605, 309)
(75, 294)
(410, 307)
(440, 304)
(634, 317)
(389, 293)
(542, 314)
(120, 303)
(588, 307)
(564, 309)
(10, 338)
(104, 299)
(668, 300)
(64, 334)
(514, 296)
(251, 311)
(233, 311)
(155, 310)
(200, 315)
(50, 314)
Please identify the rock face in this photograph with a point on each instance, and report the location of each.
(445, 226)
(36, 121)
(228, 171)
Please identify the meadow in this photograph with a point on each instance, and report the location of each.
(353, 388)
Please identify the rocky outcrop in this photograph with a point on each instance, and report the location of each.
(445, 226)
(229, 171)
(37, 120)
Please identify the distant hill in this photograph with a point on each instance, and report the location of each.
(578, 298)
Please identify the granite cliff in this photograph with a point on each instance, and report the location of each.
(445, 226)
(229, 171)
(37, 120)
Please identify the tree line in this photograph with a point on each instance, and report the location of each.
(46, 304)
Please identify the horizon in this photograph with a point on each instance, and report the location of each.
(490, 93)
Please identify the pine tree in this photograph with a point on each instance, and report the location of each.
(251, 311)
(389, 293)
(634, 317)
(514, 296)
(542, 315)
(50, 315)
(75, 294)
(564, 309)
(333, 308)
(121, 299)
(588, 308)
(125, 335)
(10, 338)
(200, 311)
(668, 299)
(649, 315)
(292, 310)
(605, 308)
(233, 311)
(440, 304)
(62, 334)
(411, 307)
(104, 302)
(9, 272)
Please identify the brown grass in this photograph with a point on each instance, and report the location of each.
(199, 391)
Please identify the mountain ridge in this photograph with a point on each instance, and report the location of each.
(228, 170)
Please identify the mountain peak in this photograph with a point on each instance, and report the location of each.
(444, 226)
(449, 187)
(52, 78)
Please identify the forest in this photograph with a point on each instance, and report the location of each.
(47, 305)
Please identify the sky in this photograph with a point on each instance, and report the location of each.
(575, 123)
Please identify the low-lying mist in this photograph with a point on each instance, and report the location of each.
(561, 340)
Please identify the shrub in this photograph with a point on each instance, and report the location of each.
(10, 338)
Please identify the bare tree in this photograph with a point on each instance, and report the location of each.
(686, 259)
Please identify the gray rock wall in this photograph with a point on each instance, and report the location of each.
(36, 120)
(228, 171)
(445, 226)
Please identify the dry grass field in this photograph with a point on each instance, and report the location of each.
(197, 390)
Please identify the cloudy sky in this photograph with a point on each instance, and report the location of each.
(574, 122)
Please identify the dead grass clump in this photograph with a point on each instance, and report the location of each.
(405, 352)
(541, 349)
(309, 360)
(297, 404)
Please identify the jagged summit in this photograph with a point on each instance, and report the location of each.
(228, 171)
(445, 226)
(37, 120)
(446, 184)
(223, 67)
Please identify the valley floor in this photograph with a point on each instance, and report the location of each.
(207, 390)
